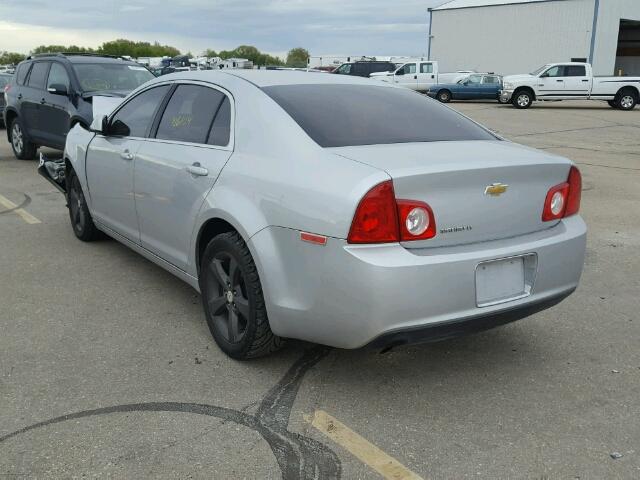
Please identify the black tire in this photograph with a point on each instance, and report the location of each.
(612, 103)
(627, 100)
(444, 96)
(81, 220)
(522, 99)
(22, 148)
(233, 301)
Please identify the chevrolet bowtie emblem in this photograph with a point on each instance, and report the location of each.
(495, 189)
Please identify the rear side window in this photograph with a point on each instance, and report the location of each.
(575, 71)
(426, 68)
(189, 114)
(345, 115)
(38, 76)
(21, 74)
(221, 129)
(361, 69)
(135, 117)
(491, 80)
(382, 67)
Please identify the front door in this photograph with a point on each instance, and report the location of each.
(111, 160)
(55, 109)
(551, 82)
(407, 76)
(175, 171)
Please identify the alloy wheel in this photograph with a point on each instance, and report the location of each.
(626, 102)
(227, 297)
(76, 200)
(17, 138)
(523, 100)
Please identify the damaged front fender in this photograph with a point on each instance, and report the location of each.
(54, 170)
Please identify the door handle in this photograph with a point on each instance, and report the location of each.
(198, 170)
(19, 96)
(559, 80)
(126, 155)
(585, 81)
(415, 77)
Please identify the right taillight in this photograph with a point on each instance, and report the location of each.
(563, 200)
(380, 218)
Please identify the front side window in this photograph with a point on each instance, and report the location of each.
(189, 114)
(557, 71)
(344, 69)
(409, 68)
(38, 75)
(426, 68)
(135, 117)
(97, 77)
(58, 76)
(346, 115)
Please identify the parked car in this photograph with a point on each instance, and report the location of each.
(364, 68)
(570, 81)
(417, 75)
(5, 78)
(52, 92)
(473, 87)
(324, 208)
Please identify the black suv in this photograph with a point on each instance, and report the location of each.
(50, 93)
(364, 68)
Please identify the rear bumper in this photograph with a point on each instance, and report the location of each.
(349, 296)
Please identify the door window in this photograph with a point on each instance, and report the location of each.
(135, 117)
(361, 69)
(575, 71)
(221, 129)
(557, 71)
(21, 74)
(426, 68)
(58, 76)
(189, 114)
(344, 69)
(409, 68)
(491, 80)
(38, 75)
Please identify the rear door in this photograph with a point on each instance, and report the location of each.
(32, 99)
(576, 82)
(426, 76)
(407, 76)
(490, 86)
(175, 170)
(551, 82)
(111, 159)
(55, 109)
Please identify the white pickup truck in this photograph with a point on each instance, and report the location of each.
(569, 81)
(418, 75)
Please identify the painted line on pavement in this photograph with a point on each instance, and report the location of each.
(359, 447)
(26, 216)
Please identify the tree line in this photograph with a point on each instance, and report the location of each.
(296, 57)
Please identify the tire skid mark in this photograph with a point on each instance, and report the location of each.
(25, 202)
(297, 456)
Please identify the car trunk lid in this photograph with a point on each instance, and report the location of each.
(463, 182)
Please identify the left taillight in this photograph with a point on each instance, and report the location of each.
(7, 87)
(563, 200)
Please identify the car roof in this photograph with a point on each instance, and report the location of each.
(269, 78)
(81, 58)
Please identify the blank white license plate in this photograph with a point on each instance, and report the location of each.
(500, 280)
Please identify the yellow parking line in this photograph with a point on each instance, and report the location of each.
(368, 453)
(26, 216)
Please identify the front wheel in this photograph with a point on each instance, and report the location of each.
(233, 300)
(522, 99)
(444, 96)
(23, 149)
(81, 220)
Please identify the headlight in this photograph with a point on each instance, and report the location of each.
(508, 86)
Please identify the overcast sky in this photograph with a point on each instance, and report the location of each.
(331, 27)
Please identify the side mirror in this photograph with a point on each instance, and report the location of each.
(99, 125)
(58, 89)
(544, 75)
(400, 72)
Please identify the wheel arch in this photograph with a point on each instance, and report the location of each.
(527, 89)
(9, 114)
(630, 88)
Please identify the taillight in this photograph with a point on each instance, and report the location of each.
(563, 200)
(7, 87)
(416, 220)
(376, 219)
(380, 218)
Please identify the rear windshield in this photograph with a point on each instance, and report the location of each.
(346, 115)
(95, 77)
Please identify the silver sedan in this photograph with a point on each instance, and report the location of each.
(327, 208)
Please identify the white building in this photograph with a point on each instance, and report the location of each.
(517, 36)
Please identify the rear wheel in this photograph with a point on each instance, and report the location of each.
(522, 99)
(444, 96)
(627, 100)
(233, 300)
(23, 149)
(81, 220)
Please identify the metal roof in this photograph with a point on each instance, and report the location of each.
(452, 4)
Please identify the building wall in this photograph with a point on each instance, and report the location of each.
(516, 38)
(610, 14)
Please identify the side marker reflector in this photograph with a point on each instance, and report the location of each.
(313, 238)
